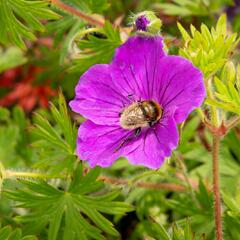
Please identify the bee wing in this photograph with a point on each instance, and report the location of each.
(136, 117)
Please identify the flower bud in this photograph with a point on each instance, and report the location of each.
(228, 73)
(147, 23)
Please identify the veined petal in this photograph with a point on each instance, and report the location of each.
(97, 98)
(132, 63)
(104, 90)
(154, 145)
(139, 71)
(100, 144)
(178, 84)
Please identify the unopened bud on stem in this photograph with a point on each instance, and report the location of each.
(147, 23)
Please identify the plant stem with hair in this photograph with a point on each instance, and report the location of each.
(16, 174)
(216, 186)
(87, 18)
(9, 174)
(216, 131)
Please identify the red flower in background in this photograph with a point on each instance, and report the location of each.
(22, 89)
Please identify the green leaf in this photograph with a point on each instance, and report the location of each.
(13, 29)
(221, 27)
(67, 44)
(15, 235)
(184, 33)
(188, 132)
(157, 231)
(238, 76)
(96, 49)
(231, 203)
(177, 232)
(6, 233)
(228, 73)
(189, 8)
(227, 92)
(209, 50)
(225, 106)
(10, 58)
(66, 209)
(187, 232)
(172, 9)
(4, 114)
(221, 88)
(67, 28)
(55, 222)
(56, 137)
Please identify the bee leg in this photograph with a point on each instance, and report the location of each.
(131, 97)
(122, 143)
(139, 101)
(123, 104)
(151, 124)
(137, 131)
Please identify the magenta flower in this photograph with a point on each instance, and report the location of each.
(133, 104)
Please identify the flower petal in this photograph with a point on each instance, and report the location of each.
(178, 85)
(154, 145)
(100, 145)
(97, 98)
(104, 90)
(132, 64)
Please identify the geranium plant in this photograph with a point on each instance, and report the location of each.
(118, 122)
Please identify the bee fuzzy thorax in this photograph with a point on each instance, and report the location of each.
(140, 114)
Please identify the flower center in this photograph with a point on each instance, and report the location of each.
(141, 23)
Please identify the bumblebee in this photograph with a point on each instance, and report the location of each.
(140, 114)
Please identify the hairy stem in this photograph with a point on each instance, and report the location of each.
(216, 187)
(11, 174)
(78, 13)
(8, 174)
(165, 186)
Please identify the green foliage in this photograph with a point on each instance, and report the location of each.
(70, 207)
(65, 210)
(158, 232)
(198, 209)
(14, 152)
(13, 11)
(10, 58)
(184, 8)
(56, 141)
(7, 233)
(233, 205)
(187, 135)
(72, 26)
(49, 193)
(96, 49)
(90, 6)
(227, 90)
(208, 49)
(195, 8)
(232, 217)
